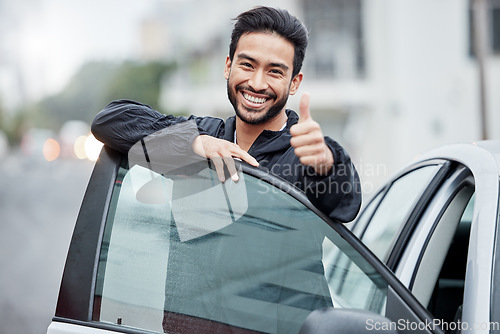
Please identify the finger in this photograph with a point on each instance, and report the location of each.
(309, 138)
(219, 167)
(229, 161)
(310, 150)
(304, 108)
(243, 155)
(300, 129)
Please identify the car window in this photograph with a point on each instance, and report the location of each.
(186, 253)
(383, 225)
(439, 281)
(359, 225)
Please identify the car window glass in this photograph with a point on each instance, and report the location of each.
(186, 253)
(394, 208)
(364, 217)
(440, 279)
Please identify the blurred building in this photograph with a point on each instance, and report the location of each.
(388, 79)
(12, 86)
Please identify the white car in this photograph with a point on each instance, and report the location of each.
(435, 225)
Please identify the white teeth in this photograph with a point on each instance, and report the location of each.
(254, 99)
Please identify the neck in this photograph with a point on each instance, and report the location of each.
(247, 133)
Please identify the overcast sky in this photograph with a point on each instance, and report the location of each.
(46, 41)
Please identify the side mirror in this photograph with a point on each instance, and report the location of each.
(346, 321)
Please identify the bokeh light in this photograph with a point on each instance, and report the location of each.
(51, 149)
(92, 148)
(79, 147)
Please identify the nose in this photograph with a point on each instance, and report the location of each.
(258, 81)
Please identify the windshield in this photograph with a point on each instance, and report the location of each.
(186, 253)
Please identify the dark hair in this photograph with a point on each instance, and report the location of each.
(274, 20)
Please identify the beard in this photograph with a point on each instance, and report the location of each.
(272, 112)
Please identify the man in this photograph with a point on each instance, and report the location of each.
(262, 70)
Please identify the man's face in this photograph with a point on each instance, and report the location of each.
(259, 79)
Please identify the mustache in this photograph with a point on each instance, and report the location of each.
(270, 94)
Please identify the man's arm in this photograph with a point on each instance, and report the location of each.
(123, 123)
(165, 141)
(308, 141)
(330, 179)
(337, 194)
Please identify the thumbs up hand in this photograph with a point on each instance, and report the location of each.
(309, 142)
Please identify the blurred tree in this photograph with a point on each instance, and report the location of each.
(2, 120)
(80, 99)
(94, 86)
(8, 125)
(140, 82)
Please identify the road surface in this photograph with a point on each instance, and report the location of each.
(39, 203)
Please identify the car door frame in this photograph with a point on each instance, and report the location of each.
(477, 158)
(479, 284)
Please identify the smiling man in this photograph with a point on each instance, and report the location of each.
(262, 70)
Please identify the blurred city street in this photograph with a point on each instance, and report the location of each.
(389, 80)
(39, 203)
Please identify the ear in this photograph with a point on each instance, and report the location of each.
(227, 68)
(294, 85)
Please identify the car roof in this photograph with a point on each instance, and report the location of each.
(481, 157)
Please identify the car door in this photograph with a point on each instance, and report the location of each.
(184, 253)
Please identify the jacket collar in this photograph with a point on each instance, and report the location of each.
(268, 140)
(230, 126)
(293, 118)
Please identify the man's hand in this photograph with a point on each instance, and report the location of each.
(222, 152)
(309, 142)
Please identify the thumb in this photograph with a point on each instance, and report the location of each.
(304, 108)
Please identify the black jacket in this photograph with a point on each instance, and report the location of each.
(122, 125)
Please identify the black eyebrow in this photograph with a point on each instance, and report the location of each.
(279, 65)
(245, 56)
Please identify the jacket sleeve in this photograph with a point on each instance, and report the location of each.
(160, 142)
(123, 123)
(337, 194)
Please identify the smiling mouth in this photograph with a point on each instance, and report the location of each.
(254, 99)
